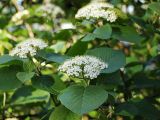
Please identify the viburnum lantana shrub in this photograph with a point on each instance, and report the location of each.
(79, 60)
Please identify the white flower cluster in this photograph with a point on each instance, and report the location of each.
(51, 9)
(28, 47)
(85, 67)
(19, 16)
(97, 10)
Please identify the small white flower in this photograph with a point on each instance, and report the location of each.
(97, 10)
(85, 67)
(28, 47)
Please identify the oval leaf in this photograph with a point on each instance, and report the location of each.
(28, 94)
(88, 37)
(67, 114)
(114, 58)
(47, 83)
(6, 59)
(126, 33)
(24, 76)
(79, 48)
(81, 99)
(155, 7)
(103, 32)
(52, 57)
(8, 79)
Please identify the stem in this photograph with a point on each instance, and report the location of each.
(36, 67)
(16, 5)
(54, 98)
(11, 37)
(3, 106)
(29, 29)
(127, 93)
(87, 82)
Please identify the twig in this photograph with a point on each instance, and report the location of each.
(11, 37)
(54, 98)
(3, 106)
(126, 91)
(36, 66)
(29, 29)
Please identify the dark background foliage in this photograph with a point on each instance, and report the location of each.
(130, 46)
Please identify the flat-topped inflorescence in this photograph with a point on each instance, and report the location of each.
(85, 67)
(97, 10)
(28, 47)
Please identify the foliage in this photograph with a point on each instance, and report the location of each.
(33, 88)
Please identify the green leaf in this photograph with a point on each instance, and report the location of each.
(47, 115)
(47, 83)
(138, 108)
(8, 60)
(59, 47)
(4, 19)
(133, 65)
(110, 81)
(8, 79)
(119, 13)
(127, 109)
(79, 48)
(45, 34)
(126, 33)
(103, 32)
(81, 99)
(114, 58)
(63, 35)
(88, 37)
(24, 76)
(155, 7)
(52, 57)
(28, 94)
(140, 80)
(62, 113)
(59, 85)
(147, 110)
(28, 65)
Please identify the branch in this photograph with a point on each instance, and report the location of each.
(126, 91)
(3, 106)
(29, 29)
